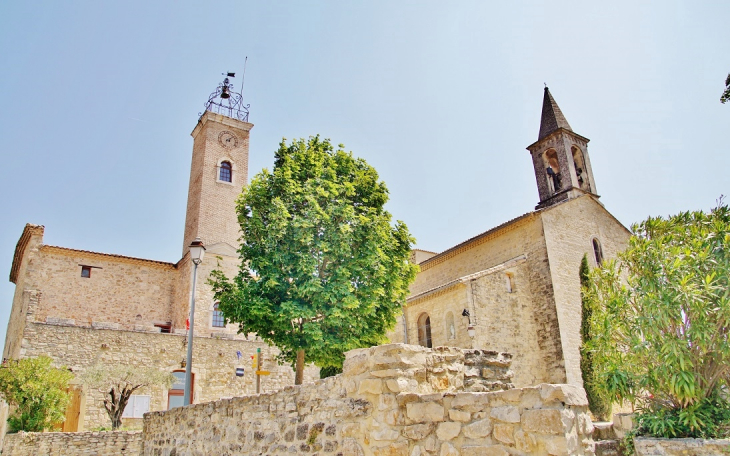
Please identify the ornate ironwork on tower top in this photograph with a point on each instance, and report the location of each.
(224, 100)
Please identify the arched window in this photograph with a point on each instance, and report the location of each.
(450, 327)
(175, 395)
(226, 173)
(424, 330)
(597, 251)
(510, 282)
(218, 320)
(580, 169)
(552, 168)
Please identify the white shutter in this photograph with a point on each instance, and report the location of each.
(136, 407)
(141, 406)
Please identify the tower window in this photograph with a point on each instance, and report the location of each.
(552, 168)
(597, 252)
(580, 171)
(226, 172)
(86, 272)
(510, 282)
(218, 320)
(424, 330)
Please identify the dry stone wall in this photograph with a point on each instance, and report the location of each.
(73, 443)
(390, 400)
(680, 447)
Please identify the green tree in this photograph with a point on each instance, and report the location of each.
(118, 382)
(661, 329)
(323, 270)
(36, 392)
(726, 94)
(600, 407)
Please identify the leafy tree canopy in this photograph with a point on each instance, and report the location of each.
(36, 392)
(118, 382)
(662, 320)
(323, 270)
(726, 94)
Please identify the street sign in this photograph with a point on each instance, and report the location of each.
(263, 373)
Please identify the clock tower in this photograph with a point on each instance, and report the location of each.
(219, 169)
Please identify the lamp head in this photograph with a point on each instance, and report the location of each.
(197, 251)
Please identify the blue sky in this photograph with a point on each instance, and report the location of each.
(99, 98)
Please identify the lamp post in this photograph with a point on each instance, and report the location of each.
(197, 251)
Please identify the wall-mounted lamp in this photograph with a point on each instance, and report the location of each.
(470, 329)
(183, 364)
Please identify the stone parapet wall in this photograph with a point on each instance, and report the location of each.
(679, 447)
(390, 400)
(73, 443)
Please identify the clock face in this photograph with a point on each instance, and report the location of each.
(228, 140)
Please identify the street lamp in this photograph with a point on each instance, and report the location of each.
(197, 251)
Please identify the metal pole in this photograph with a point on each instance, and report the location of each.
(258, 369)
(188, 367)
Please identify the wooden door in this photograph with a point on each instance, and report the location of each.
(73, 412)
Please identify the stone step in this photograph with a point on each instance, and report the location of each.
(603, 430)
(607, 448)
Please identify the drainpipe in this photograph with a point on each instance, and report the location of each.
(405, 326)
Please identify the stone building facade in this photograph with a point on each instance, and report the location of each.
(513, 288)
(517, 284)
(81, 307)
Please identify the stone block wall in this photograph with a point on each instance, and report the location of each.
(520, 319)
(390, 400)
(680, 447)
(73, 443)
(569, 230)
(214, 362)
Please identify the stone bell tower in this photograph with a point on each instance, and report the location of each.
(560, 157)
(219, 169)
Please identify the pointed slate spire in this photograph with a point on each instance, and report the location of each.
(552, 117)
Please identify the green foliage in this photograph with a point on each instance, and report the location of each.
(661, 329)
(329, 371)
(118, 382)
(323, 270)
(599, 406)
(726, 94)
(36, 392)
(706, 419)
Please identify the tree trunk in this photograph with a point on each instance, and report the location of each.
(299, 377)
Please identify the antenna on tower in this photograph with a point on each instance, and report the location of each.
(243, 76)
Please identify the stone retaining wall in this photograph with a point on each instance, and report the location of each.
(73, 443)
(670, 447)
(390, 400)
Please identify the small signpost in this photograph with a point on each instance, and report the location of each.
(256, 366)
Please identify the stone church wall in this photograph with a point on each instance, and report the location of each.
(214, 362)
(521, 320)
(570, 228)
(398, 400)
